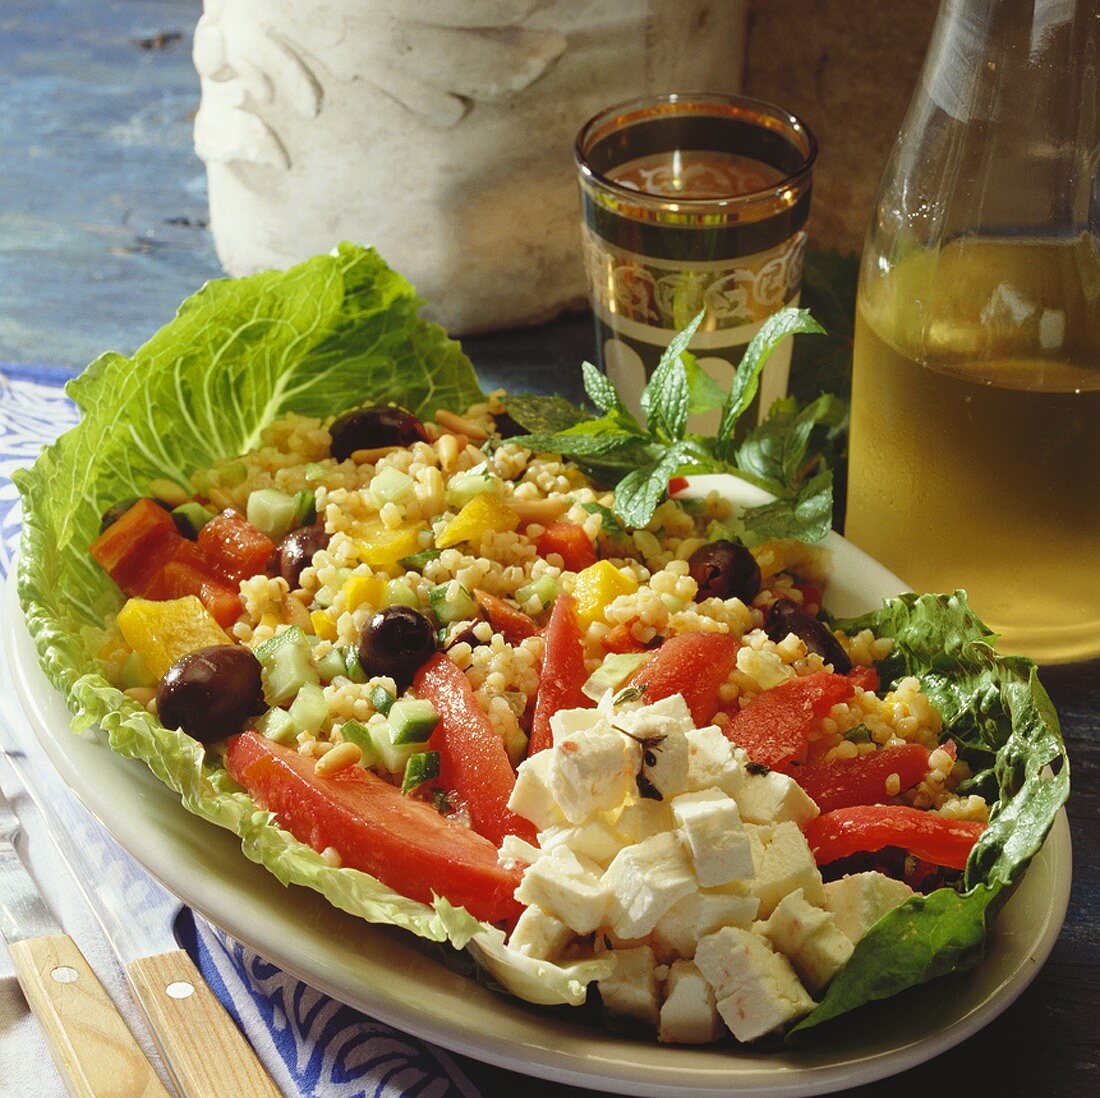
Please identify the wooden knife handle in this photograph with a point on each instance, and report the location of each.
(202, 1046)
(95, 1052)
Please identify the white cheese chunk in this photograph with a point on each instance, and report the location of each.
(809, 938)
(566, 886)
(783, 863)
(660, 729)
(688, 1014)
(644, 881)
(565, 722)
(755, 988)
(698, 914)
(711, 826)
(531, 796)
(537, 933)
(631, 990)
(859, 900)
(593, 770)
(518, 851)
(713, 762)
(775, 798)
(641, 820)
(670, 714)
(595, 839)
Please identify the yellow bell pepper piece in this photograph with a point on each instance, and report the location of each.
(323, 626)
(379, 547)
(597, 586)
(482, 514)
(364, 591)
(161, 632)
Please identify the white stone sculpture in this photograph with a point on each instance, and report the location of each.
(439, 131)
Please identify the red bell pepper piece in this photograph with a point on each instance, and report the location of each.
(563, 672)
(866, 678)
(775, 726)
(402, 841)
(134, 549)
(676, 485)
(513, 624)
(179, 578)
(472, 759)
(866, 828)
(862, 780)
(694, 665)
(569, 541)
(233, 548)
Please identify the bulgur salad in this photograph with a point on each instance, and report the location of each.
(475, 666)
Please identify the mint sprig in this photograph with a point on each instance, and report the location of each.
(640, 459)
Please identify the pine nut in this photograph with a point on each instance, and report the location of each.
(460, 423)
(339, 758)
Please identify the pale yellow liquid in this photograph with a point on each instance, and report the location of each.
(975, 444)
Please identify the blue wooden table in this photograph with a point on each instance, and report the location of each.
(103, 232)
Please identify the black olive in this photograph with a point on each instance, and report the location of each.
(211, 693)
(116, 511)
(296, 550)
(725, 570)
(784, 617)
(396, 642)
(369, 428)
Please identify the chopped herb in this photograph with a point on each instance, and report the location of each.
(647, 789)
(442, 802)
(860, 734)
(629, 694)
(757, 768)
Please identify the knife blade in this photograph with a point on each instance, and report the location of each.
(89, 1040)
(204, 1051)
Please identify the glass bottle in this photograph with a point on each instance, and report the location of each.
(975, 439)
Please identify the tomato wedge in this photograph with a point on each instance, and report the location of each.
(563, 672)
(472, 759)
(774, 727)
(403, 842)
(133, 549)
(866, 678)
(694, 665)
(233, 548)
(568, 540)
(862, 780)
(866, 828)
(512, 623)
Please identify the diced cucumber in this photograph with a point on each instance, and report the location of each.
(293, 635)
(421, 767)
(233, 474)
(278, 725)
(399, 593)
(415, 562)
(353, 732)
(515, 743)
(287, 665)
(190, 518)
(412, 720)
(331, 664)
(612, 673)
(382, 700)
(305, 510)
(354, 668)
(390, 485)
(272, 512)
(391, 756)
(309, 709)
(135, 673)
(545, 589)
(478, 481)
(452, 602)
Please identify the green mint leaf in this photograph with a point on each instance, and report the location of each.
(545, 415)
(599, 389)
(579, 444)
(640, 491)
(704, 393)
(747, 379)
(666, 398)
(611, 524)
(808, 517)
(777, 450)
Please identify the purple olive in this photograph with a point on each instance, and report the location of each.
(725, 570)
(396, 642)
(370, 428)
(784, 617)
(211, 693)
(295, 551)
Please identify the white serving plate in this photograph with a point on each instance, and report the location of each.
(393, 976)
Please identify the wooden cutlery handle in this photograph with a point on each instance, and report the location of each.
(96, 1053)
(205, 1051)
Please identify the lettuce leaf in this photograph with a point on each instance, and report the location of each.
(1007, 730)
(326, 335)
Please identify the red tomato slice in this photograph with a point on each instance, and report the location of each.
(233, 548)
(866, 828)
(621, 639)
(774, 727)
(676, 485)
(513, 624)
(570, 541)
(862, 780)
(563, 672)
(694, 665)
(866, 678)
(134, 549)
(472, 759)
(403, 842)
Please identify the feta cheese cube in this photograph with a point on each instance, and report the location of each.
(565, 722)
(859, 900)
(711, 826)
(783, 863)
(595, 839)
(755, 988)
(641, 820)
(531, 796)
(688, 1014)
(537, 933)
(566, 886)
(631, 989)
(809, 938)
(644, 881)
(775, 798)
(713, 761)
(698, 914)
(515, 850)
(670, 714)
(593, 770)
(661, 728)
